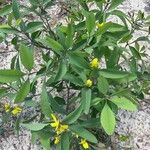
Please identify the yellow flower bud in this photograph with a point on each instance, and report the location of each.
(16, 110)
(7, 107)
(77, 136)
(88, 83)
(84, 143)
(94, 63)
(100, 25)
(57, 140)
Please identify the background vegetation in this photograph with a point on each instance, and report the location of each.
(91, 67)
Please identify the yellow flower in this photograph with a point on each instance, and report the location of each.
(7, 107)
(56, 122)
(59, 128)
(84, 143)
(88, 83)
(16, 110)
(100, 25)
(57, 140)
(94, 63)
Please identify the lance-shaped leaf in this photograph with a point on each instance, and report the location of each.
(78, 60)
(26, 55)
(115, 3)
(35, 126)
(135, 53)
(34, 26)
(61, 71)
(73, 116)
(7, 76)
(107, 120)
(90, 22)
(54, 45)
(15, 8)
(83, 133)
(44, 139)
(124, 103)
(65, 141)
(103, 85)
(86, 100)
(5, 28)
(69, 38)
(5, 10)
(113, 74)
(45, 104)
(23, 92)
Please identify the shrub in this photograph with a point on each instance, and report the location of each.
(89, 69)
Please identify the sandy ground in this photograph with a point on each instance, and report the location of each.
(135, 126)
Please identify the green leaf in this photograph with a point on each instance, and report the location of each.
(33, 2)
(5, 28)
(45, 140)
(13, 62)
(78, 60)
(58, 146)
(143, 38)
(26, 55)
(105, 27)
(56, 107)
(7, 76)
(73, 79)
(34, 137)
(90, 123)
(54, 45)
(113, 74)
(5, 10)
(115, 3)
(61, 71)
(128, 36)
(135, 53)
(107, 119)
(131, 77)
(119, 14)
(35, 126)
(83, 133)
(79, 45)
(103, 85)
(114, 58)
(2, 37)
(34, 26)
(124, 103)
(23, 92)
(65, 141)
(2, 91)
(90, 22)
(133, 65)
(73, 116)
(86, 99)
(69, 38)
(15, 8)
(44, 103)
(96, 101)
(115, 27)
